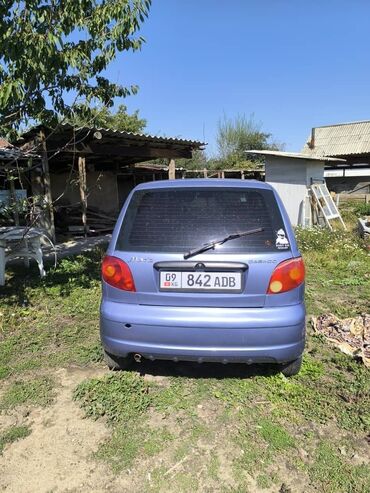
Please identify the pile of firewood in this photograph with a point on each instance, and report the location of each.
(69, 218)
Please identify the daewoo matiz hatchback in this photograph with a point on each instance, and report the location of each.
(203, 270)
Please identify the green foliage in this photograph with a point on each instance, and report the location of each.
(129, 442)
(238, 135)
(13, 434)
(363, 210)
(38, 392)
(198, 161)
(101, 116)
(335, 259)
(275, 435)
(49, 49)
(335, 475)
(51, 321)
(322, 240)
(120, 397)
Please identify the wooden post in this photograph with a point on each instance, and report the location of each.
(205, 174)
(242, 174)
(13, 199)
(47, 220)
(171, 169)
(222, 174)
(83, 190)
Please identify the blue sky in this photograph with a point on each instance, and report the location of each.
(294, 64)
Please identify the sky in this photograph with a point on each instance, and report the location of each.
(293, 64)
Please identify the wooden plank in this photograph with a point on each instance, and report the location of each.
(172, 169)
(13, 199)
(138, 152)
(47, 217)
(83, 191)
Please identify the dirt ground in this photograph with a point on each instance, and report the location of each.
(57, 456)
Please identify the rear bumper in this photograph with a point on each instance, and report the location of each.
(250, 335)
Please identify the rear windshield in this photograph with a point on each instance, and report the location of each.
(176, 220)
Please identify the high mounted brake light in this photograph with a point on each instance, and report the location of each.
(117, 273)
(286, 276)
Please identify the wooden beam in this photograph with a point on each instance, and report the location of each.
(47, 217)
(83, 190)
(13, 199)
(139, 152)
(171, 169)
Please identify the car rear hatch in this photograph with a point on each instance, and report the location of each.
(161, 225)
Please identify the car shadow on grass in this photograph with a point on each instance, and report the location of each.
(194, 370)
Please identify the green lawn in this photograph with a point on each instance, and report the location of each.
(201, 428)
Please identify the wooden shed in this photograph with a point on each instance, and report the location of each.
(94, 169)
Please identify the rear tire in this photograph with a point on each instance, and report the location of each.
(292, 368)
(116, 363)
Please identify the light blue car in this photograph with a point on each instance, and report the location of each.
(203, 270)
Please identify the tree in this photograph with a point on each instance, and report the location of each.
(53, 53)
(105, 118)
(198, 161)
(238, 135)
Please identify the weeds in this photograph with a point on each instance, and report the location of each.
(343, 477)
(37, 392)
(120, 397)
(13, 434)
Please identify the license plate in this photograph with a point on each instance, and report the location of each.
(200, 281)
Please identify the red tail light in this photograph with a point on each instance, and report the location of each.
(286, 276)
(117, 273)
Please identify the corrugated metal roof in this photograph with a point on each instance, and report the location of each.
(339, 140)
(127, 135)
(12, 153)
(295, 155)
(8, 152)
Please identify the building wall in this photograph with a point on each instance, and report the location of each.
(102, 190)
(291, 179)
(348, 180)
(355, 184)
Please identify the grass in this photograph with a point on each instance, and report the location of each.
(210, 428)
(37, 392)
(13, 434)
(46, 323)
(119, 397)
(343, 477)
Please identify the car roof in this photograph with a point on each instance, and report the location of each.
(204, 182)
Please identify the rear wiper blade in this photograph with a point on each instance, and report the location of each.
(212, 244)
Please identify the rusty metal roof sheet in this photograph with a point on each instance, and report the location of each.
(343, 139)
(107, 132)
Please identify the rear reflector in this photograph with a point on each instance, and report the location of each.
(117, 273)
(286, 276)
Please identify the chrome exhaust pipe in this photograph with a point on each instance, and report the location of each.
(137, 357)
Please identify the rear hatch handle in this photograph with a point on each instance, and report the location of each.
(201, 266)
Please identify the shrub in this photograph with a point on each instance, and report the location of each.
(322, 240)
